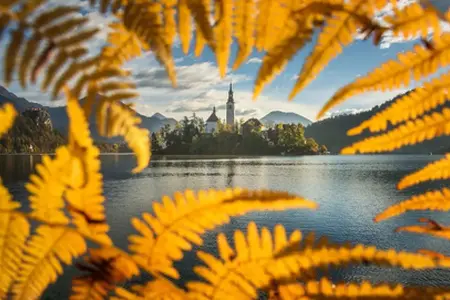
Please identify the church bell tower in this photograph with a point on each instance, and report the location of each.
(230, 107)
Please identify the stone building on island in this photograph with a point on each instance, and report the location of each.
(211, 122)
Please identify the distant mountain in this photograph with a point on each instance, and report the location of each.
(279, 117)
(59, 119)
(332, 132)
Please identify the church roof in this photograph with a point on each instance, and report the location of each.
(213, 117)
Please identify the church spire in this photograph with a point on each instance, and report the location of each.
(230, 94)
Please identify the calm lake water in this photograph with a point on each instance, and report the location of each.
(350, 190)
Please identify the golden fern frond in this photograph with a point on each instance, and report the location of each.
(223, 33)
(412, 65)
(184, 24)
(145, 20)
(178, 223)
(123, 46)
(270, 13)
(200, 41)
(436, 170)
(289, 263)
(430, 227)
(239, 274)
(85, 187)
(122, 121)
(105, 267)
(170, 26)
(338, 32)
(410, 133)
(298, 33)
(433, 200)
(7, 114)
(14, 230)
(409, 106)
(158, 289)
(41, 265)
(244, 27)
(326, 289)
(414, 20)
(47, 188)
(55, 27)
(200, 10)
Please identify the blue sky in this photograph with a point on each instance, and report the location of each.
(200, 87)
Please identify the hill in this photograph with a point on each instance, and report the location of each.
(332, 133)
(59, 119)
(279, 117)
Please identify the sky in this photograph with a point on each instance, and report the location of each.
(200, 86)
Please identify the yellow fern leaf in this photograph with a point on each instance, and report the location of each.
(239, 275)
(158, 289)
(85, 187)
(415, 64)
(410, 133)
(43, 256)
(200, 10)
(10, 59)
(431, 228)
(7, 114)
(270, 13)
(244, 24)
(106, 268)
(170, 26)
(325, 289)
(414, 20)
(178, 223)
(434, 200)
(145, 20)
(410, 106)
(200, 43)
(223, 31)
(48, 187)
(184, 24)
(338, 32)
(290, 263)
(27, 57)
(14, 230)
(296, 36)
(436, 170)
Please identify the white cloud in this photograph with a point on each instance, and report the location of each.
(254, 60)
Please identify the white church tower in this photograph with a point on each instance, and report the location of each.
(230, 107)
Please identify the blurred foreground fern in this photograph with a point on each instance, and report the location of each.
(67, 192)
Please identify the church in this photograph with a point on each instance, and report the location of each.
(211, 122)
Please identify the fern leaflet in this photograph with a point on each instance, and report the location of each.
(325, 289)
(415, 64)
(158, 289)
(410, 106)
(223, 31)
(244, 26)
(41, 265)
(431, 228)
(437, 170)
(410, 133)
(413, 21)
(433, 200)
(239, 275)
(106, 268)
(178, 223)
(338, 33)
(184, 25)
(48, 187)
(14, 230)
(7, 114)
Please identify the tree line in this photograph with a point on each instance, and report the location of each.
(189, 137)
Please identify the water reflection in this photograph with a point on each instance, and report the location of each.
(350, 192)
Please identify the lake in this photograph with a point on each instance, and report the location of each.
(350, 190)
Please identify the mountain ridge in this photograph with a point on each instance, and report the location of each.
(277, 117)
